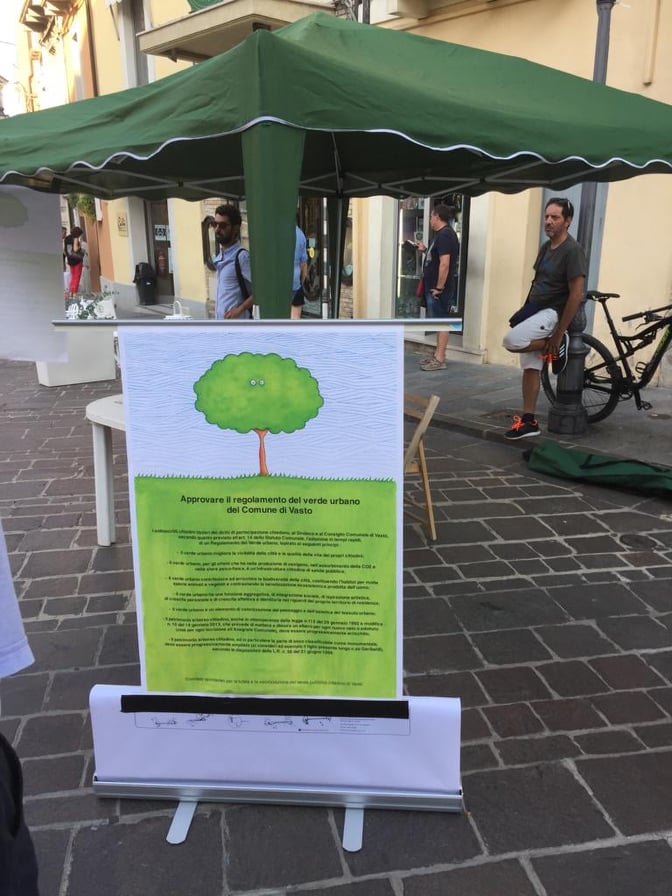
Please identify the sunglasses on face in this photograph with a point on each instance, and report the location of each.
(565, 205)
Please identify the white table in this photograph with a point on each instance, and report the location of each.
(105, 414)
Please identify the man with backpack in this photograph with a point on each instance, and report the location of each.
(234, 277)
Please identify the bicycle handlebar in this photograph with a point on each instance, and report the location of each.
(649, 315)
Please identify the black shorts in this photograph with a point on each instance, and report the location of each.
(298, 298)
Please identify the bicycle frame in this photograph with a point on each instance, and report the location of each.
(628, 346)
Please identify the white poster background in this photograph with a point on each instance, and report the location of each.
(31, 287)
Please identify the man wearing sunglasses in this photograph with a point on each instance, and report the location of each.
(539, 330)
(234, 278)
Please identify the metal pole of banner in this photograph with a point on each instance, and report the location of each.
(567, 414)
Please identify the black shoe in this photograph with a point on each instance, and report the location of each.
(523, 428)
(559, 362)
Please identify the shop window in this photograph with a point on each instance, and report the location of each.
(413, 226)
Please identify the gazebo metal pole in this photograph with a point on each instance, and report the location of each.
(568, 415)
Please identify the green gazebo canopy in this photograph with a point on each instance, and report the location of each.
(329, 107)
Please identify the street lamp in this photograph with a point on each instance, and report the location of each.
(567, 414)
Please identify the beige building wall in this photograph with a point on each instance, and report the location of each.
(636, 258)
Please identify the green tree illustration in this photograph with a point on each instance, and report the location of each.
(264, 393)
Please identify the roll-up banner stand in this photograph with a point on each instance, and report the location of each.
(266, 486)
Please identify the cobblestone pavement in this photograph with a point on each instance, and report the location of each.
(545, 606)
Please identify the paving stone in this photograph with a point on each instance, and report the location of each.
(51, 851)
(70, 520)
(51, 735)
(661, 661)
(593, 544)
(56, 563)
(636, 632)
(571, 678)
(513, 684)
(477, 553)
(440, 653)
(627, 707)
(613, 741)
(574, 640)
(103, 582)
(477, 756)
(532, 808)
(52, 587)
(431, 574)
(626, 672)
(137, 859)
(23, 694)
(657, 594)
(120, 646)
(70, 690)
(513, 551)
(113, 558)
(505, 584)
(663, 697)
(297, 844)
(595, 602)
(74, 807)
(529, 567)
(464, 532)
(520, 528)
(506, 609)
(8, 728)
(397, 841)
(52, 775)
(551, 548)
(428, 617)
(570, 524)
(655, 735)
(634, 790)
(533, 750)
(492, 879)
(101, 620)
(64, 649)
(568, 715)
(419, 557)
(513, 720)
(15, 491)
(64, 606)
(369, 887)
(510, 646)
(42, 539)
(493, 569)
(621, 871)
(474, 726)
(464, 685)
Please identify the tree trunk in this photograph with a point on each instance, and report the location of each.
(263, 469)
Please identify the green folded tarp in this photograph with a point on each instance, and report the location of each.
(600, 469)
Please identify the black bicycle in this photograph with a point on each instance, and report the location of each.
(609, 379)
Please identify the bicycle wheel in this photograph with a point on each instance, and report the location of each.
(601, 381)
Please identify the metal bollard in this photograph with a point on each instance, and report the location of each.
(567, 415)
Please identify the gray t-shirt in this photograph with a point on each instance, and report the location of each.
(15, 654)
(553, 269)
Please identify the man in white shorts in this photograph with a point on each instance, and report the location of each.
(555, 296)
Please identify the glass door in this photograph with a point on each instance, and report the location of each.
(160, 247)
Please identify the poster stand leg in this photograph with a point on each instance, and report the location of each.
(179, 827)
(353, 827)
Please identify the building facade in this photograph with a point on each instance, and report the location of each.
(79, 48)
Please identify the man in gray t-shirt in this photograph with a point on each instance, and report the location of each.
(556, 294)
